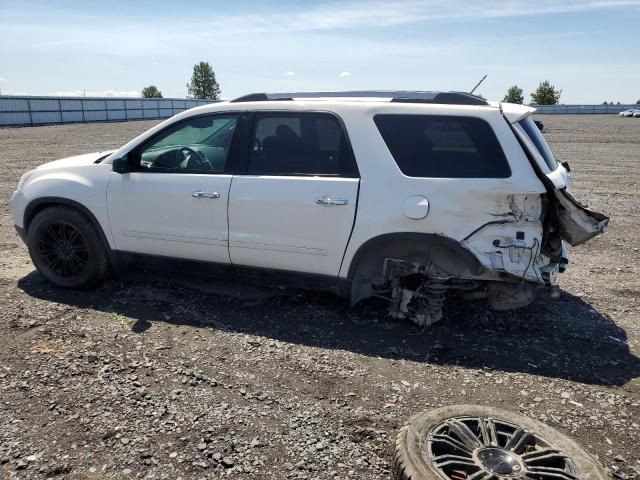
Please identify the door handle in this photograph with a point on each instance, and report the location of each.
(331, 201)
(200, 194)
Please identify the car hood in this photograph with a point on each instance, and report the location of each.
(77, 160)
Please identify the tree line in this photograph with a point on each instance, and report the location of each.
(203, 84)
(545, 94)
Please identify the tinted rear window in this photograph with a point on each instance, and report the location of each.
(534, 133)
(443, 147)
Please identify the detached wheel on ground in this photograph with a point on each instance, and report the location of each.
(66, 248)
(469, 442)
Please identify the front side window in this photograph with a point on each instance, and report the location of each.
(437, 146)
(199, 145)
(297, 144)
(536, 137)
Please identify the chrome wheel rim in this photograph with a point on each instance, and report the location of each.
(63, 249)
(484, 448)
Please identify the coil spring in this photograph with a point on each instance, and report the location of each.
(435, 291)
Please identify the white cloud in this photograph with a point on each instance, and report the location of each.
(1, 79)
(344, 74)
(131, 38)
(103, 93)
(289, 74)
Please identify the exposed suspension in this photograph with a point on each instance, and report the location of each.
(435, 291)
(417, 291)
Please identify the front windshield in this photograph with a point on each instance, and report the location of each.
(535, 135)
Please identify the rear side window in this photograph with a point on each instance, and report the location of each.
(535, 135)
(437, 146)
(299, 144)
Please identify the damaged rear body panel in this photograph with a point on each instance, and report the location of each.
(497, 236)
(576, 223)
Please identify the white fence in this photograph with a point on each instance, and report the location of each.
(25, 111)
(582, 109)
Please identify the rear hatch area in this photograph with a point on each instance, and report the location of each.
(572, 221)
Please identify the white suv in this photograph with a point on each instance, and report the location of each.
(401, 195)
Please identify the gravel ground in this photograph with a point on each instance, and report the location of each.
(152, 377)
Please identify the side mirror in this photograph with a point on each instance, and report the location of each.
(121, 165)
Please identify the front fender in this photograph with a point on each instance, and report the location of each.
(84, 190)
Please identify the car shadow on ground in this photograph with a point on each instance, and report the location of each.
(562, 338)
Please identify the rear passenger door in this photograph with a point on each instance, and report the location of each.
(293, 206)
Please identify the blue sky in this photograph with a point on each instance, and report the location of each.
(588, 48)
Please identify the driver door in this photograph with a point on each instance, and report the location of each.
(173, 203)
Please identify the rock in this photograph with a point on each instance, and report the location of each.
(620, 458)
(217, 456)
(173, 454)
(92, 358)
(21, 465)
(288, 466)
(202, 446)
(56, 470)
(227, 462)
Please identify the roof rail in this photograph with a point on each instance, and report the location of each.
(402, 96)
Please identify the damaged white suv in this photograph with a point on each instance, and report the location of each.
(401, 195)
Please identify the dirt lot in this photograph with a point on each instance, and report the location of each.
(152, 377)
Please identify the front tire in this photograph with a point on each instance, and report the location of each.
(66, 248)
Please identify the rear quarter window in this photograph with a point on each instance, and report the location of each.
(535, 135)
(436, 146)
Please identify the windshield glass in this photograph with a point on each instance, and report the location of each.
(535, 135)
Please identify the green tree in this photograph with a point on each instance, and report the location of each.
(203, 83)
(638, 102)
(151, 92)
(514, 95)
(546, 94)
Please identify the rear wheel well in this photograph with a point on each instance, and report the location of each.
(440, 254)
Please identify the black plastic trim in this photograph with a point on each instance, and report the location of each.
(461, 253)
(274, 277)
(443, 98)
(447, 98)
(251, 97)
